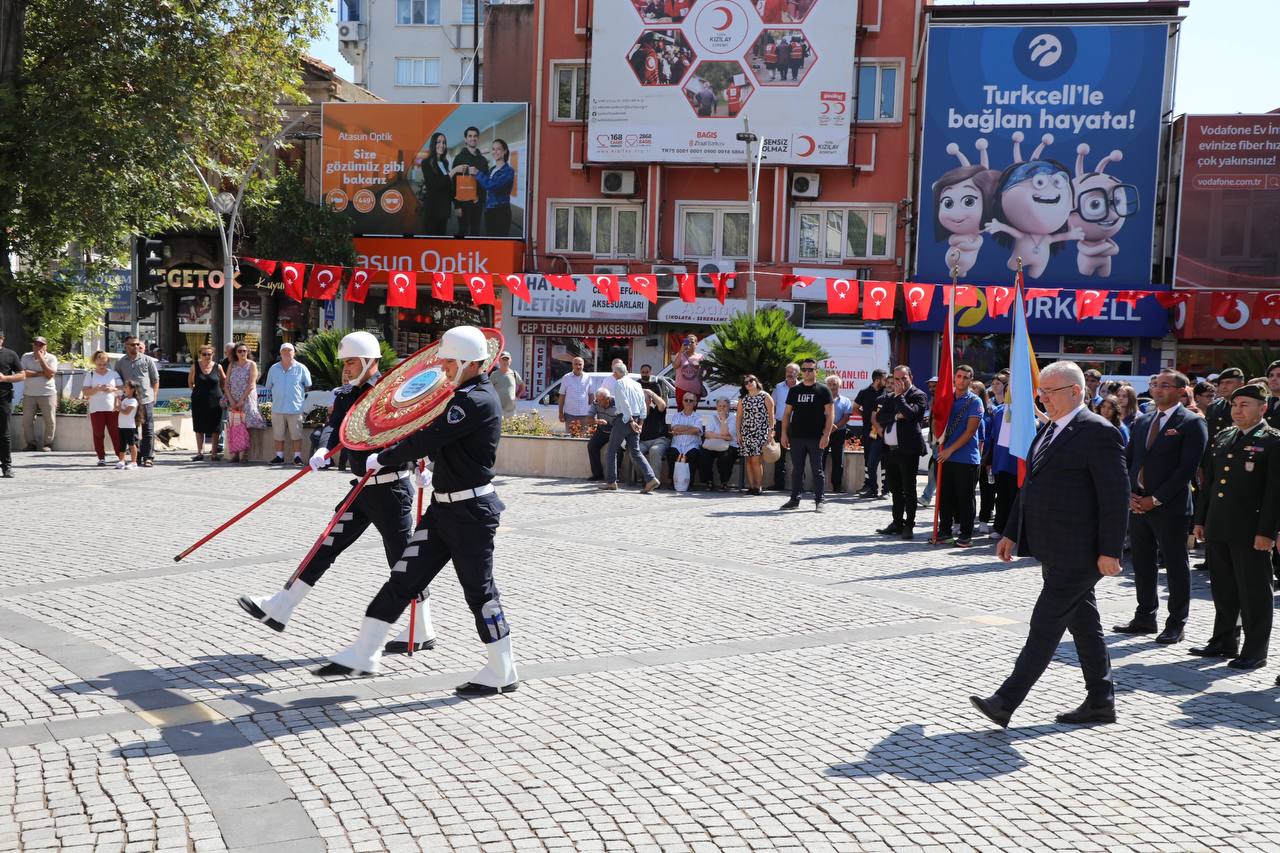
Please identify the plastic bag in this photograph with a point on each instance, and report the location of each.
(681, 476)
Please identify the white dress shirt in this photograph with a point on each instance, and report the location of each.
(630, 400)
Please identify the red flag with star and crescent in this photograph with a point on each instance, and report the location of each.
(442, 286)
(842, 296)
(919, 298)
(323, 282)
(1089, 303)
(688, 286)
(481, 288)
(519, 288)
(999, 300)
(877, 299)
(402, 290)
(358, 287)
(294, 276)
(644, 285)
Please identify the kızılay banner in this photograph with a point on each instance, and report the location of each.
(1229, 215)
(673, 80)
(379, 167)
(1041, 142)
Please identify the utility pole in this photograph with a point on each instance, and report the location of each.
(475, 51)
(753, 199)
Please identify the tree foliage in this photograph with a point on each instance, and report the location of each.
(109, 99)
(286, 225)
(763, 343)
(320, 354)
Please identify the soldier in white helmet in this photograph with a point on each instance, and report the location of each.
(459, 525)
(386, 502)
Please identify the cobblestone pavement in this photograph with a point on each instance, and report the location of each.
(701, 672)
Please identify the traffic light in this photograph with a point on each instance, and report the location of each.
(148, 304)
(150, 260)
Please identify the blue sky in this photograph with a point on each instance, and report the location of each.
(1227, 61)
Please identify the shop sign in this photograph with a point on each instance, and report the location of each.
(1055, 315)
(1194, 320)
(420, 254)
(709, 312)
(538, 367)
(583, 328)
(586, 303)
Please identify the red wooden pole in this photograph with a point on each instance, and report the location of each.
(251, 507)
(346, 504)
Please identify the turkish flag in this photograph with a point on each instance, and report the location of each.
(688, 286)
(402, 290)
(1171, 298)
(1131, 297)
(789, 281)
(518, 286)
(1037, 292)
(358, 287)
(919, 298)
(562, 282)
(481, 288)
(608, 286)
(842, 296)
(265, 267)
(442, 286)
(323, 282)
(999, 300)
(721, 281)
(644, 285)
(1222, 304)
(877, 299)
(965, 295)
(1266, 306)
(294, 275)
(1089, 303)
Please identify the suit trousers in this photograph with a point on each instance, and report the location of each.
(1066, 603)
(779, 467)
(6, 455)
(955, 498)
(1165, 532)
(1006, 491)
(1240, 580)
(872, 453)
(900, 469)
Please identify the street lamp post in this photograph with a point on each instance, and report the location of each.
(227, 205)
(753, 197)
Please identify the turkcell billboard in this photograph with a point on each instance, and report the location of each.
(1229, 215)
(436, 170)
(1041, 142)
(673, 80)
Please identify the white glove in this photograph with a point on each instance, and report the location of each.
(422, 479)
(319, 459)
(371, 465)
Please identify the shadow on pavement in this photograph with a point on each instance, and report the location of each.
(909, 754)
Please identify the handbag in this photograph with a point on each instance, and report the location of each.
(681, 475)
(466, 189)
(771, 452)
(715, 443)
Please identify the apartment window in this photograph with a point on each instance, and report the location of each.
(468, 12)
(878, 84)
(417, 11)
(714, 232)
(417, 71)
(602, 230)
(570, 92)
(839, 234)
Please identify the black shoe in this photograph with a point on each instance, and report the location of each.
(1213, 650)
(1088, 713)
(1134, 627)
(6, 472)
(1247, 663)
(279, 460)
(818, 507)
(473, 689)
(891, 530)
(908, 534)
(993, 709)
(337, 670)
(247, 605)
(1169, 636)
(791, 504)
(595, 479)
(1201, 566)
(400, 647)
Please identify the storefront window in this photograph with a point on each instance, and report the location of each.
(195, 328)
(986, 354)
(1098, 346)
(247, 321)
(1200, 361)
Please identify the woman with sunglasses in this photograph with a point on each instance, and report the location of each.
(206, 382)
(755, 428)
(242, 403)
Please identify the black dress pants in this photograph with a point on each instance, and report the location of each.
(1006, 491)
(1165, 533)
(1240, 580)
(779, 467)
(387, 506)
(955, 498)
(807, 449)
(835, 452)
(6, 409)
(900, 470)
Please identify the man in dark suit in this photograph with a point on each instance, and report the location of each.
(1237, 517)
(1165, 449)
(898, 414)
(1070, 515)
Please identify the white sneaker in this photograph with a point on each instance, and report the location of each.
(120, 465)
(101, 462)
(129, 466)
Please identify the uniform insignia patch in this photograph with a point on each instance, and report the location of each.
(455, 415)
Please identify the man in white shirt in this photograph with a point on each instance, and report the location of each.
(780, 392)
(575, 398)
(632, 410)
(39, 394)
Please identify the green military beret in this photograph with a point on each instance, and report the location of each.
(1232, 373)
(1253, 392)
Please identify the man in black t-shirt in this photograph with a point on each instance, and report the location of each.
(470, 212)
(10, 372)
(806, 430)
(864, 405)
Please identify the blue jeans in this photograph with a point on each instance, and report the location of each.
(621, 435)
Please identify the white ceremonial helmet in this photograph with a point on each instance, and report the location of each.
(360, 345)
(464, 343)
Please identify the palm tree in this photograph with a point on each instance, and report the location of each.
(763, 344)
(320, 354)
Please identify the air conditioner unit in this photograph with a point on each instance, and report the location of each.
(666, 274)
(804, 185)
(609, 269)
(350, 31)
(714, 265)
(617, 182)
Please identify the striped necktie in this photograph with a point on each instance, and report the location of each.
(1043, 446)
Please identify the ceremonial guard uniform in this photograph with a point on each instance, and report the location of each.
(386, 502)
(459, 524)
(1239, 506)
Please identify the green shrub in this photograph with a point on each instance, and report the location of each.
(526, 424)
(763, 344)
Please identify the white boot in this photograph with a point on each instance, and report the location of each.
(274, 610)
(362, 656)
(424, 636)
(498, 677)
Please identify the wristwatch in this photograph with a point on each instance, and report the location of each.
(1155, 501)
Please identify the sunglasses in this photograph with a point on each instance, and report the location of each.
(808, 369)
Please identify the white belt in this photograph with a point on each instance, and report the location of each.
(379, 479)
(464, 495)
